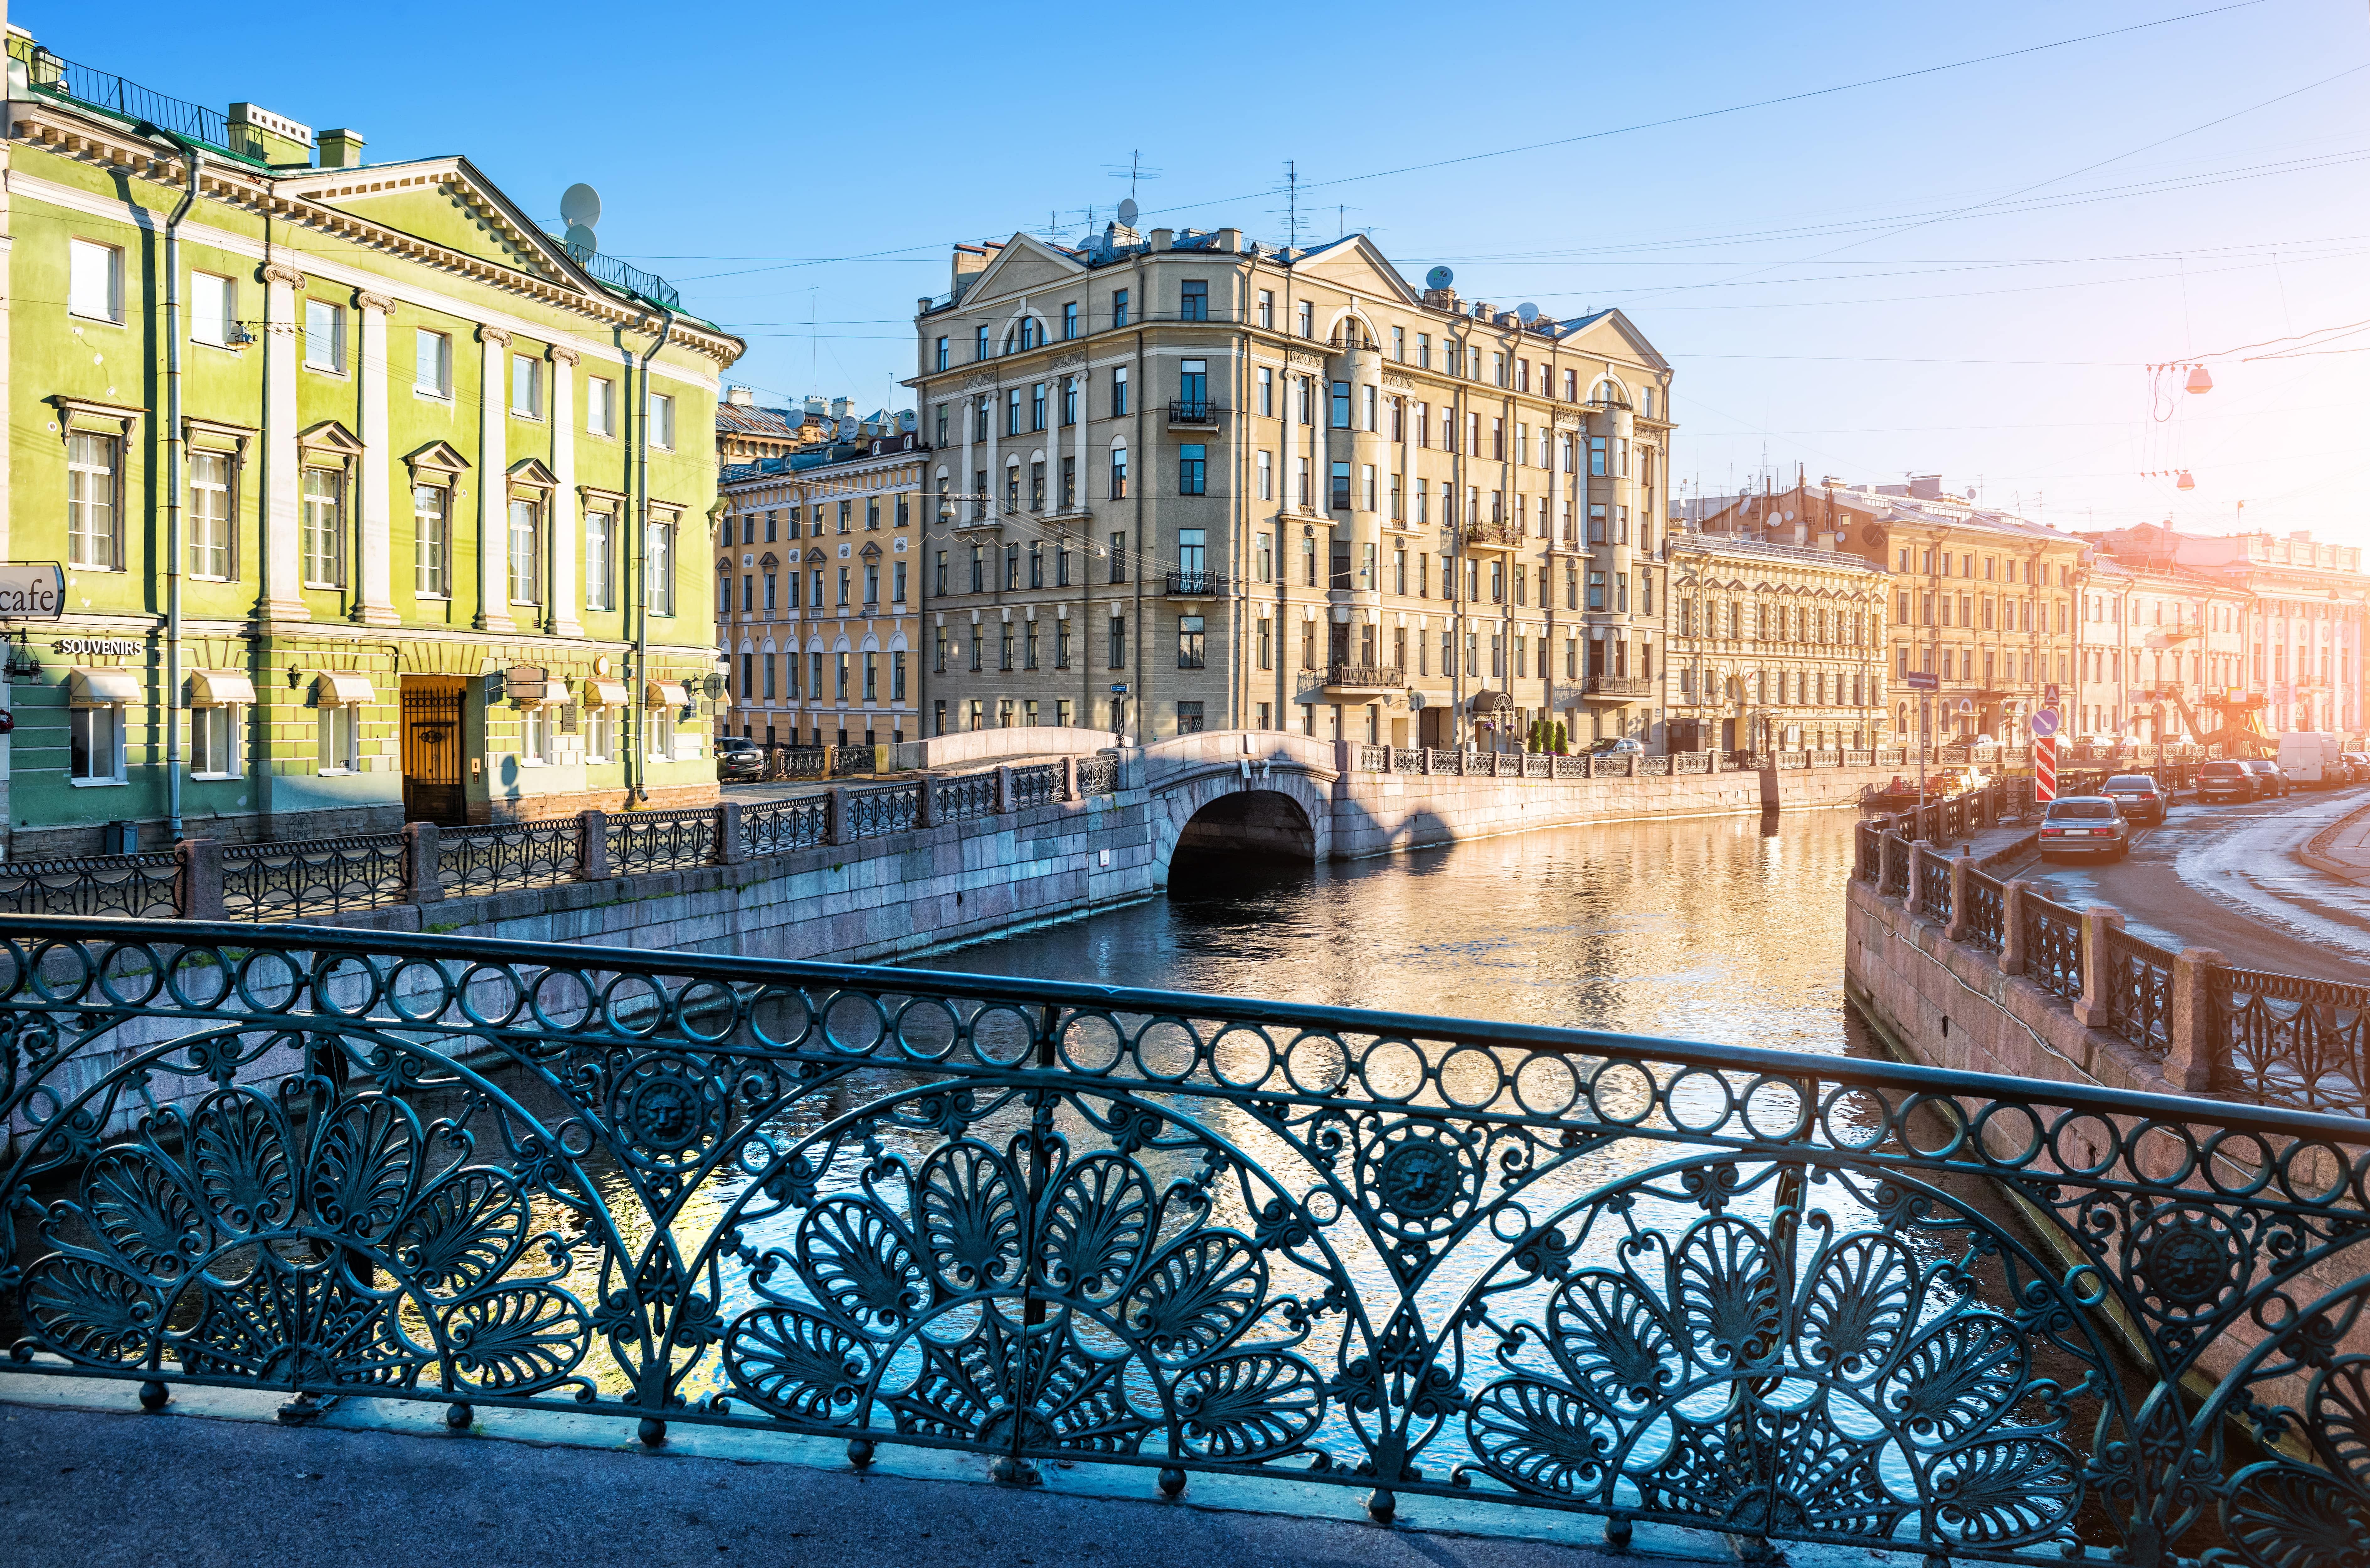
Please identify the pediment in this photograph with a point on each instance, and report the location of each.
(1353, 262)
(817, 555)
(330, 436)
(532, 471)
(1613, 336)
(769, 559)
(870, 552)
(1024, 264)
(442, 456)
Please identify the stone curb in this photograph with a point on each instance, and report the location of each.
(2314, 853)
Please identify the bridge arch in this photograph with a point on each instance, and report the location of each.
(1275, 813)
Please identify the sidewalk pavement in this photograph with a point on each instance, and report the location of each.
(2342, 849)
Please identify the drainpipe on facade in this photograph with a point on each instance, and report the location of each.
(638, 770)
(173, 444)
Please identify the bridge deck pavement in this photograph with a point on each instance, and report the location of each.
(214, 1480)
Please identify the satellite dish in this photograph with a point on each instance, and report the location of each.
(580, 206)
(1439, 277)
(1127, 211)
(1526, 313)
(579, 239)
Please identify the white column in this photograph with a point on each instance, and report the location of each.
(566, 524)
(493, 481)
(282, 506)
(371, 372)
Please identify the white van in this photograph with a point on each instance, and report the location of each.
(2313, 758)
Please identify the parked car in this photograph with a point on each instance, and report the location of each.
(2086, 824)
(2140, 798)
(2270, 783)
(2357, 767)
(2226, 781)
(1617, 746)
(738, 757)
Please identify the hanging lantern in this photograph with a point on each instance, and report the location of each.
(2186, 482)
(2198, 380)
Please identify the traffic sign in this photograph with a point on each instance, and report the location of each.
(2049, 697)
(1923, 682)
(2044, 723)
(2044, 768)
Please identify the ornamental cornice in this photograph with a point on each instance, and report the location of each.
(56, 129)
(280, 272)
(982, 378)
(1064, 361)
(365, 300)
(495, 334)
(563, 355)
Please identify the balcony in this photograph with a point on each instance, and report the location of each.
(1494, 536)
(1193, 413)
(1196, 585)
(1617, 688)
(1342, 676)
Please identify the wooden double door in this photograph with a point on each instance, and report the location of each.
(432, 712)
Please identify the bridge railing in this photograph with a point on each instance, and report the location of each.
(1793, 1299)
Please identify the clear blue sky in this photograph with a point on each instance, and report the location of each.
(1926, 275)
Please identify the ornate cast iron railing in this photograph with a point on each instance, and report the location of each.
(961, 800)
(1786, 1297)
(1038, 785)
(1985, 920)
(849, 762)
(274, 881)
(2286, 1041)
(1097, 775)
(508, 855)
(661, 841)
(777, 827)
(876, 813)
(1895, 870)
(128, 884)
(2139, 993)
(2053, 946)
(1934, 886)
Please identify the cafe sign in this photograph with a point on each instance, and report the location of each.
(32, 590)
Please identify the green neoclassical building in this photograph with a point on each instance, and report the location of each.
(372, 500)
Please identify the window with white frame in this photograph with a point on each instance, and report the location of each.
(95, 743)
(338, 733)
(209, 513)
(94, 280)
(431, 540)
(91, 500)
(600, 560)
(658, 565)
(324, 337)
(535, 735)
(526, 386)
(324, 527)
(659, 737)
(432, 363)
(601, 406)
(214, 308)
(661, 418)
(600, 734)
(214, 741)
(526, 551)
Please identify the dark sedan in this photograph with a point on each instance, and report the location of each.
(738, 757)
(2139, 795)
(2085, 824)
(2225, 781)
(2270, 783)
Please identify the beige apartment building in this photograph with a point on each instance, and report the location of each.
(817, 583)
(1775, 644)
(1183, 481)
(2156, 640)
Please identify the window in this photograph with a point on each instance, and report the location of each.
(214, 741)
(1069, 400)
(1193, 300)
(324, 337)
(336, 734)
(1263, 557)
(1012, 412)
(601, 406)
(1267, 392)
(1306, 391)
(1119, 392)
(1596, 457)
(94, 280)
(600, 561)
(1424, 350)
(95, 744)
(1301, 492)
(526, 552)
(1307, 319)
(1119, 642)
(1340, 405)
(1340, 499)
(526, 386)
(1117, 476)
(1264, 468)
(1189, 718)
(1037, 406)
(1069, 324)
(432, 363)
(1189, 642)
(535, 735)
(1267, 308)
(661, 418)
(210, 529)
(658, 565)
(324, 533)
(214, 308)
(1193, 386)
(941, 360)
(1119, 308)
(1191, 470)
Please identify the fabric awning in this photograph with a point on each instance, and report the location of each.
(219, 688)
(602, 693)
(1489, 702)
(101, 688)
(666, 694)
(335, 688)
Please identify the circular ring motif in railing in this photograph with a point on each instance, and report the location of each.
(1766, 1099)
(635, 1006)
(1856, 1118)
(187, 965)
(2302, 1163)
(854, 1023)
(2075, 1139)
(2086, 1284)
(1419, 1171)
(1547, 1083)
(2162, 1153)
(575, 1138)
(1242, 1056)
(1944, 1141)
(928, 1028)
(332, 972)
(1316, 1064)
(2188, 1258)
(1471, 1077)
(1989, 1120)
(415, 981)
(130, 974)
(270, 981)
(1700, 1100)
(490, 995)
(669, 1110)
(1510, 1221)
(1167, 1049)
(1392, 1071)
(2228, 1149)
(779, 1017)
(65, 986)
(1003, 1036)
(1091, 1043)
(1622, 1092)
(708, 1011)
(12, 966)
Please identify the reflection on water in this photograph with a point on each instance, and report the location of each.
(1725, 928)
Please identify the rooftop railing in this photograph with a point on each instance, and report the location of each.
(1786, 1298)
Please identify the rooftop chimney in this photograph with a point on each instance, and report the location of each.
(1926, 486)
(341, 149)
(1161, 238)
(1230, 239)
(740, 396)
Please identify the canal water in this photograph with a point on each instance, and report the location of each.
(1723, 929)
